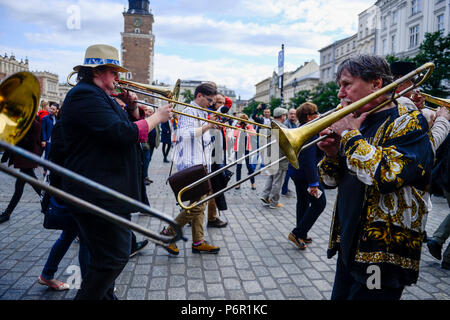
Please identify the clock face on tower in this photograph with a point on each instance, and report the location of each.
(137, 22)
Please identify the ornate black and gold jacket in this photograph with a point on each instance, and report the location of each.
(383, 174)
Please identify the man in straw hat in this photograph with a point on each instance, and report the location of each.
(102, 142)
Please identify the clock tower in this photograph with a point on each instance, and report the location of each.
(138, 42)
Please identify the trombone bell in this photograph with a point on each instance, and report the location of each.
(290, 142)
(19, 101)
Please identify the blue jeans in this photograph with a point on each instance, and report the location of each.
(250, 168)
(309, 208)
(285, 187)
(58, 251)
(147, 158)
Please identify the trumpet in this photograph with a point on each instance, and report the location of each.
(19, 99)
(293, 141)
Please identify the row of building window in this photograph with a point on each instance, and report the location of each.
(10, 68)
(413, 36)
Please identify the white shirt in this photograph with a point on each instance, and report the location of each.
(192, 147)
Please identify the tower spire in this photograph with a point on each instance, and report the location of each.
(138, 7)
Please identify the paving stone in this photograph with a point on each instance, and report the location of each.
(256, 260)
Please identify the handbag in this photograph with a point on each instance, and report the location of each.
(187, 176)
(57, 216)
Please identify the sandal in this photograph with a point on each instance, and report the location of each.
(58, 287)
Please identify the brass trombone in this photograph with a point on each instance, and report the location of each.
(438, 101)
(19, 99)
(292, 141)
(172, 97)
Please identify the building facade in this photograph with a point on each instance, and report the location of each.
(404, 24)
(192, 84)
(9, 65)
(389, 27)
(305, 77)
(138, 42)
(49, 86)
(63, 88)
(363, 42)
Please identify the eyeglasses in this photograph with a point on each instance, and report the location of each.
(210, 100)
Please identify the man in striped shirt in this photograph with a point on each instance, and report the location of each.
(193, 147)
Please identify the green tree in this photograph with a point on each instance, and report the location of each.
(325, 96)
(248, 110)
(435, 48)
(188, 96)
(274, 103)
(299, 98)
(390, 58)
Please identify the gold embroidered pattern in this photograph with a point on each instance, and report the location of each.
(405, 124)
(378, 257)
(392, 164)
(348, 135)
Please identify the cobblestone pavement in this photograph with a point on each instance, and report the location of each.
(256, 261)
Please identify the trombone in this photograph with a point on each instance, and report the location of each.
(293, 141)
(172, 97)
(438, 101)
(19, 99)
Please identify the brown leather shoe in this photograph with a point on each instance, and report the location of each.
(172, 247)
(297, 241)
(205, 247)
(217, 223)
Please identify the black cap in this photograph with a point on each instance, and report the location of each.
(401, 68)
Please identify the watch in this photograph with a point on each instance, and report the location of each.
(137, 22)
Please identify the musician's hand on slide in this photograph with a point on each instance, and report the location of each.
(329, 145)
(349, 122)
(163, 113)
(443, 112)
(130, 99)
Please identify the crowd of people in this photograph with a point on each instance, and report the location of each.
(385, 164)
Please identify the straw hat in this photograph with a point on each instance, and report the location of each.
(101, 55)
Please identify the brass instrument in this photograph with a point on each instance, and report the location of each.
(438, 101)
(292, 141)
(169, 97)
(172, 97)
(19, 99)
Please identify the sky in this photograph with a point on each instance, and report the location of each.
(233, 43)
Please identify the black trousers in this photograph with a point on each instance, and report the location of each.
(347, 288)
(18, 190)
(109, 245)
(166, 149)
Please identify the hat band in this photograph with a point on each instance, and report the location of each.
(97, 61)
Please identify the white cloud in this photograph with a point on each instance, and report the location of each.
(100, 21)
(231, 73)
(236, 31)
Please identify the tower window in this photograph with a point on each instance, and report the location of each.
(137, 30)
